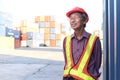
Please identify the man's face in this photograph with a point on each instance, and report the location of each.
(76, 21)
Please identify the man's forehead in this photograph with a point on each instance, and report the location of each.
(76, 13)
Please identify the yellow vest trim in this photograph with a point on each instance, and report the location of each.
(79, 71)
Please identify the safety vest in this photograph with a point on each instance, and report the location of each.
(78, 71)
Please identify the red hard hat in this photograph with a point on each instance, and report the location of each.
(77, 9)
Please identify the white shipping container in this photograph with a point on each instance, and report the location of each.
(41, 30)
(36, 43)
(47, 42)
(29, 43)
(23, 43)
(58, 43)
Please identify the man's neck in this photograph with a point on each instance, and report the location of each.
(78, 33)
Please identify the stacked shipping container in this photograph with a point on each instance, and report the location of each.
(43, 31)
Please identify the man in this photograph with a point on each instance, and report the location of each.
(82, 50)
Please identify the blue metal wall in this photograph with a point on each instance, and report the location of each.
(111, 40)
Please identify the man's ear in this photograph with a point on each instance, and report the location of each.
(85, 21)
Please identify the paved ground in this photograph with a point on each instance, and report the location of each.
(31, 64)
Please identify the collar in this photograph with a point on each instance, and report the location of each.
(84, 34)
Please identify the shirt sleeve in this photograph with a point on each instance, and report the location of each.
(95, 60)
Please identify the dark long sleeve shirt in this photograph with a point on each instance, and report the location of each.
(78, 47)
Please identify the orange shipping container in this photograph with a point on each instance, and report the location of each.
(23, 37)
(47, 30)
(46, 36)
(37, 19)
(47, 18)
(57, 36)
(52, 43)
(52, 24)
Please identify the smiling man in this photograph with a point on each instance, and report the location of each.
(82, 50)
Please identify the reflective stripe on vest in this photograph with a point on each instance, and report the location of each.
(79, 71)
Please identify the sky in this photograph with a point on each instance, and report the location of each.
(28, 9)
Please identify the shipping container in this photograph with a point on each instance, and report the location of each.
(47, 42)
(47, 24)
(52, 36)
(42, 30)
(32, 29)
(52, 18)
(47, 36)
(42, 24)
(23, 43)
(23, 29)
(17, 43)
(57, 31)
(16, 34)
(42, 18)
(23, 36)
(52, 30)
(52, 23)
(57, 36)
(6, 42)
(58, 43)
(52, 43)
(42, 36)
(37, 19)
(29, 35)
(29, 43)
(47, 18)
(36, 36)
(9, 32)
(36, 43)
(47, 30)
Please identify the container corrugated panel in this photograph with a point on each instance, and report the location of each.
(29, 43)
(23, 43)
(47, 30)
(52, 18)
(41, 41)
(52, 30)
(57, 31)
(41, 36)
(52, 43)
(52, 36)
(23, 36)
(36, 43)
(36, 36)
(9, 32)
(16, 34)
(42, 18)
(47, 42)
(17, 43)
(42, 24)
(52, 23)
(29, 35)
(47, 18)
(2, 31)
(23, 29)
(47, 24)
(57, 36)
(46, 36)
(42, 30)
(58, 43)
(37, 19)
